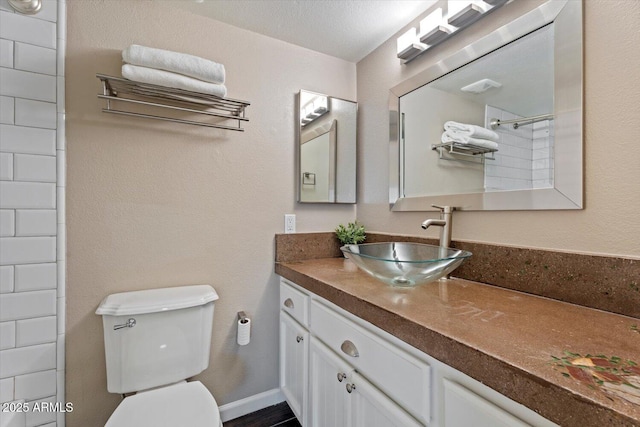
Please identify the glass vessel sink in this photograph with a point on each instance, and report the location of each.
(405, 264)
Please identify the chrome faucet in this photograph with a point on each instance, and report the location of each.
(444, 222)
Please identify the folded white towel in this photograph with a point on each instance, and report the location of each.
(182, 63)
(449, 136)
(471, 130)
(167, 79)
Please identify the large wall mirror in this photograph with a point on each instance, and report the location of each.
(327, 151)
(519, 90)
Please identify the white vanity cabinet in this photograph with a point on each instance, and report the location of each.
(327, 381)
(371, 359)
(341, 397)
(294, 362)
(337, 370)
(294, 348)
(329, 365)
(462, 407)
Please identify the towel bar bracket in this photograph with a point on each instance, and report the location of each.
(203, 109)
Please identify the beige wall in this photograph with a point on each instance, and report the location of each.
(152, 204)
(609, 223)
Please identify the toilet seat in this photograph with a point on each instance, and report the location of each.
(183, 404)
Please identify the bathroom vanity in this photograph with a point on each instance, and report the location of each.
(340, 370)
(355, 351)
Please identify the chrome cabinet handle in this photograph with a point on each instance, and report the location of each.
(130, 324)
(288, 303)
(299, 338)
(341, 376)
(349, 349)
(350, 387)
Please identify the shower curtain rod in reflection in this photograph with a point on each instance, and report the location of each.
(522, 121)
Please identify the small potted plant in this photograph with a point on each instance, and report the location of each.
(351, 234)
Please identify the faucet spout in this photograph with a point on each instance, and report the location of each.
(428, 223)
(444, 222)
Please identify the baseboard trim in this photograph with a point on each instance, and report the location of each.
(250, 404)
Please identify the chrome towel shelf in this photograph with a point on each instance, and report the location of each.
(470, 150)
(202, 109)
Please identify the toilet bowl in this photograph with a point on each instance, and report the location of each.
(186, 404)
(154, 340)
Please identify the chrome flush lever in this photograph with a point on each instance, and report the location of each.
(130, 324)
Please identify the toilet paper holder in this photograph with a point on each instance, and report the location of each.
(244, 329)
(242, 317)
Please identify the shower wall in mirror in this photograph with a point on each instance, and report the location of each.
(327, 149)
(517, 94)
(515, 81)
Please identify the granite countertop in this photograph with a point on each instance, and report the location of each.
(532, 349)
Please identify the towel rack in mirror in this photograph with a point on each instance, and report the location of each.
(521, 121)
(470, 150)
(202, 109)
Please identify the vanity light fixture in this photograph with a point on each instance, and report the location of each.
(409, 46)
(315, 108)
(437, 27)
(464, 13)
(433, 30)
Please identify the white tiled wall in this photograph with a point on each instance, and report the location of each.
(543, 138)
(524, 159)
(32, 221)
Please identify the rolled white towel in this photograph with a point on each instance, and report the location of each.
(448, 137)
(182, 63)
(167, 79)
(472, 131)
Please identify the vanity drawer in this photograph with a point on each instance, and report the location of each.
(294, 302)
(398, 374)
(462, 407)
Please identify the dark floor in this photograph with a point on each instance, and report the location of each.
(279, 415)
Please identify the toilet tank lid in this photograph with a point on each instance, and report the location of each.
(156, 300)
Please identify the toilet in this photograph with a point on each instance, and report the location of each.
(154, 340)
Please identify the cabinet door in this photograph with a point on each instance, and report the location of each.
(372, 408)
(328, 402)
(399, 375)
(294, 357)
(462, 408)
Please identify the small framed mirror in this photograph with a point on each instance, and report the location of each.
(326, 170)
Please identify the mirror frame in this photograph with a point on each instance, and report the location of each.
(567, 192)
(334, 152)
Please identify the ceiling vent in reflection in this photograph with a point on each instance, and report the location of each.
(481, 86)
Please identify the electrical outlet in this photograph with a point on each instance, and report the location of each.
(289, 223)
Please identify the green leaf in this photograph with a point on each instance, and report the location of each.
(351, 234)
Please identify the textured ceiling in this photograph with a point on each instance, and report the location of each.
(347, 29)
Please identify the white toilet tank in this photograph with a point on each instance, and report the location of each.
(156, 337)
